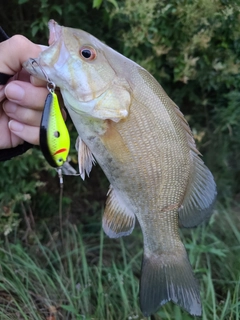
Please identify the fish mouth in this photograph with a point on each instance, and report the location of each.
(34, 66)
(55, 31)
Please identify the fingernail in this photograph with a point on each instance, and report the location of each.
(15, 126)
(14, 92)
(9, 107)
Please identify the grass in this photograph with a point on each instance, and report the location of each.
(88, 276)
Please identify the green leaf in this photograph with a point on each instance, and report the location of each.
(35, 30)
(69, 308)
(58, 9)
(114, 2)
(97, 3)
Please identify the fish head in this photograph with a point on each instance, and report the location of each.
(79, 64)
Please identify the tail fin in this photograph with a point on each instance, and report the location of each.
(168, 277)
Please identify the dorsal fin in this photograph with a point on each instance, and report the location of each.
(200, 195)
(201, 191)
(187, 129)
(85, 158)
(117, 221)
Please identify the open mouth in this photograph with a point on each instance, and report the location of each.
(54, 31)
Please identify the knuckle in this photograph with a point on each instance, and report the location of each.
(18, 40)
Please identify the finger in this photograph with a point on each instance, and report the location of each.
(15, 140)
(2, 93)
(12, 59)
(21, 114)
(25, 94)
(5, 137)
(37, 82)
(25, 132)
(23, 75)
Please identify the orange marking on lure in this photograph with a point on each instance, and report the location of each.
(60, 151)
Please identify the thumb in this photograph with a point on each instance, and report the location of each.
(16, 50)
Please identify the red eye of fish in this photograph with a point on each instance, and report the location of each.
(88, 53)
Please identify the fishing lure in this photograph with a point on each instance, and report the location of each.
(54, 136)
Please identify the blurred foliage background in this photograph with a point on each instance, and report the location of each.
(191, 47)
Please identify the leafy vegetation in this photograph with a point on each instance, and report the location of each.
(69, 270)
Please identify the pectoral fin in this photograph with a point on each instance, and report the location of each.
(200, 196)
(85, 158)
(68, 170)
(117, 220)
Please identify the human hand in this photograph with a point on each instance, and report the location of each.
(22, 99)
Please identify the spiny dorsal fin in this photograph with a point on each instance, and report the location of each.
(117, 220)
(200, 195)
(187, 129)
(85, 158)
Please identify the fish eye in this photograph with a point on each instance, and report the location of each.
(88, 53)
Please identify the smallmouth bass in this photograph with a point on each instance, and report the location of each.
(145, 147)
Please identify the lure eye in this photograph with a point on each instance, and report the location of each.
(88, 53)
(56, 134)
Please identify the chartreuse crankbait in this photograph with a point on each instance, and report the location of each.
(54, 136)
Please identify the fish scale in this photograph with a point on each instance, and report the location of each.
(145, 147)
(151, 144)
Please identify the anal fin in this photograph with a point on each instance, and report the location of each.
(85, 158)
(117, 221)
